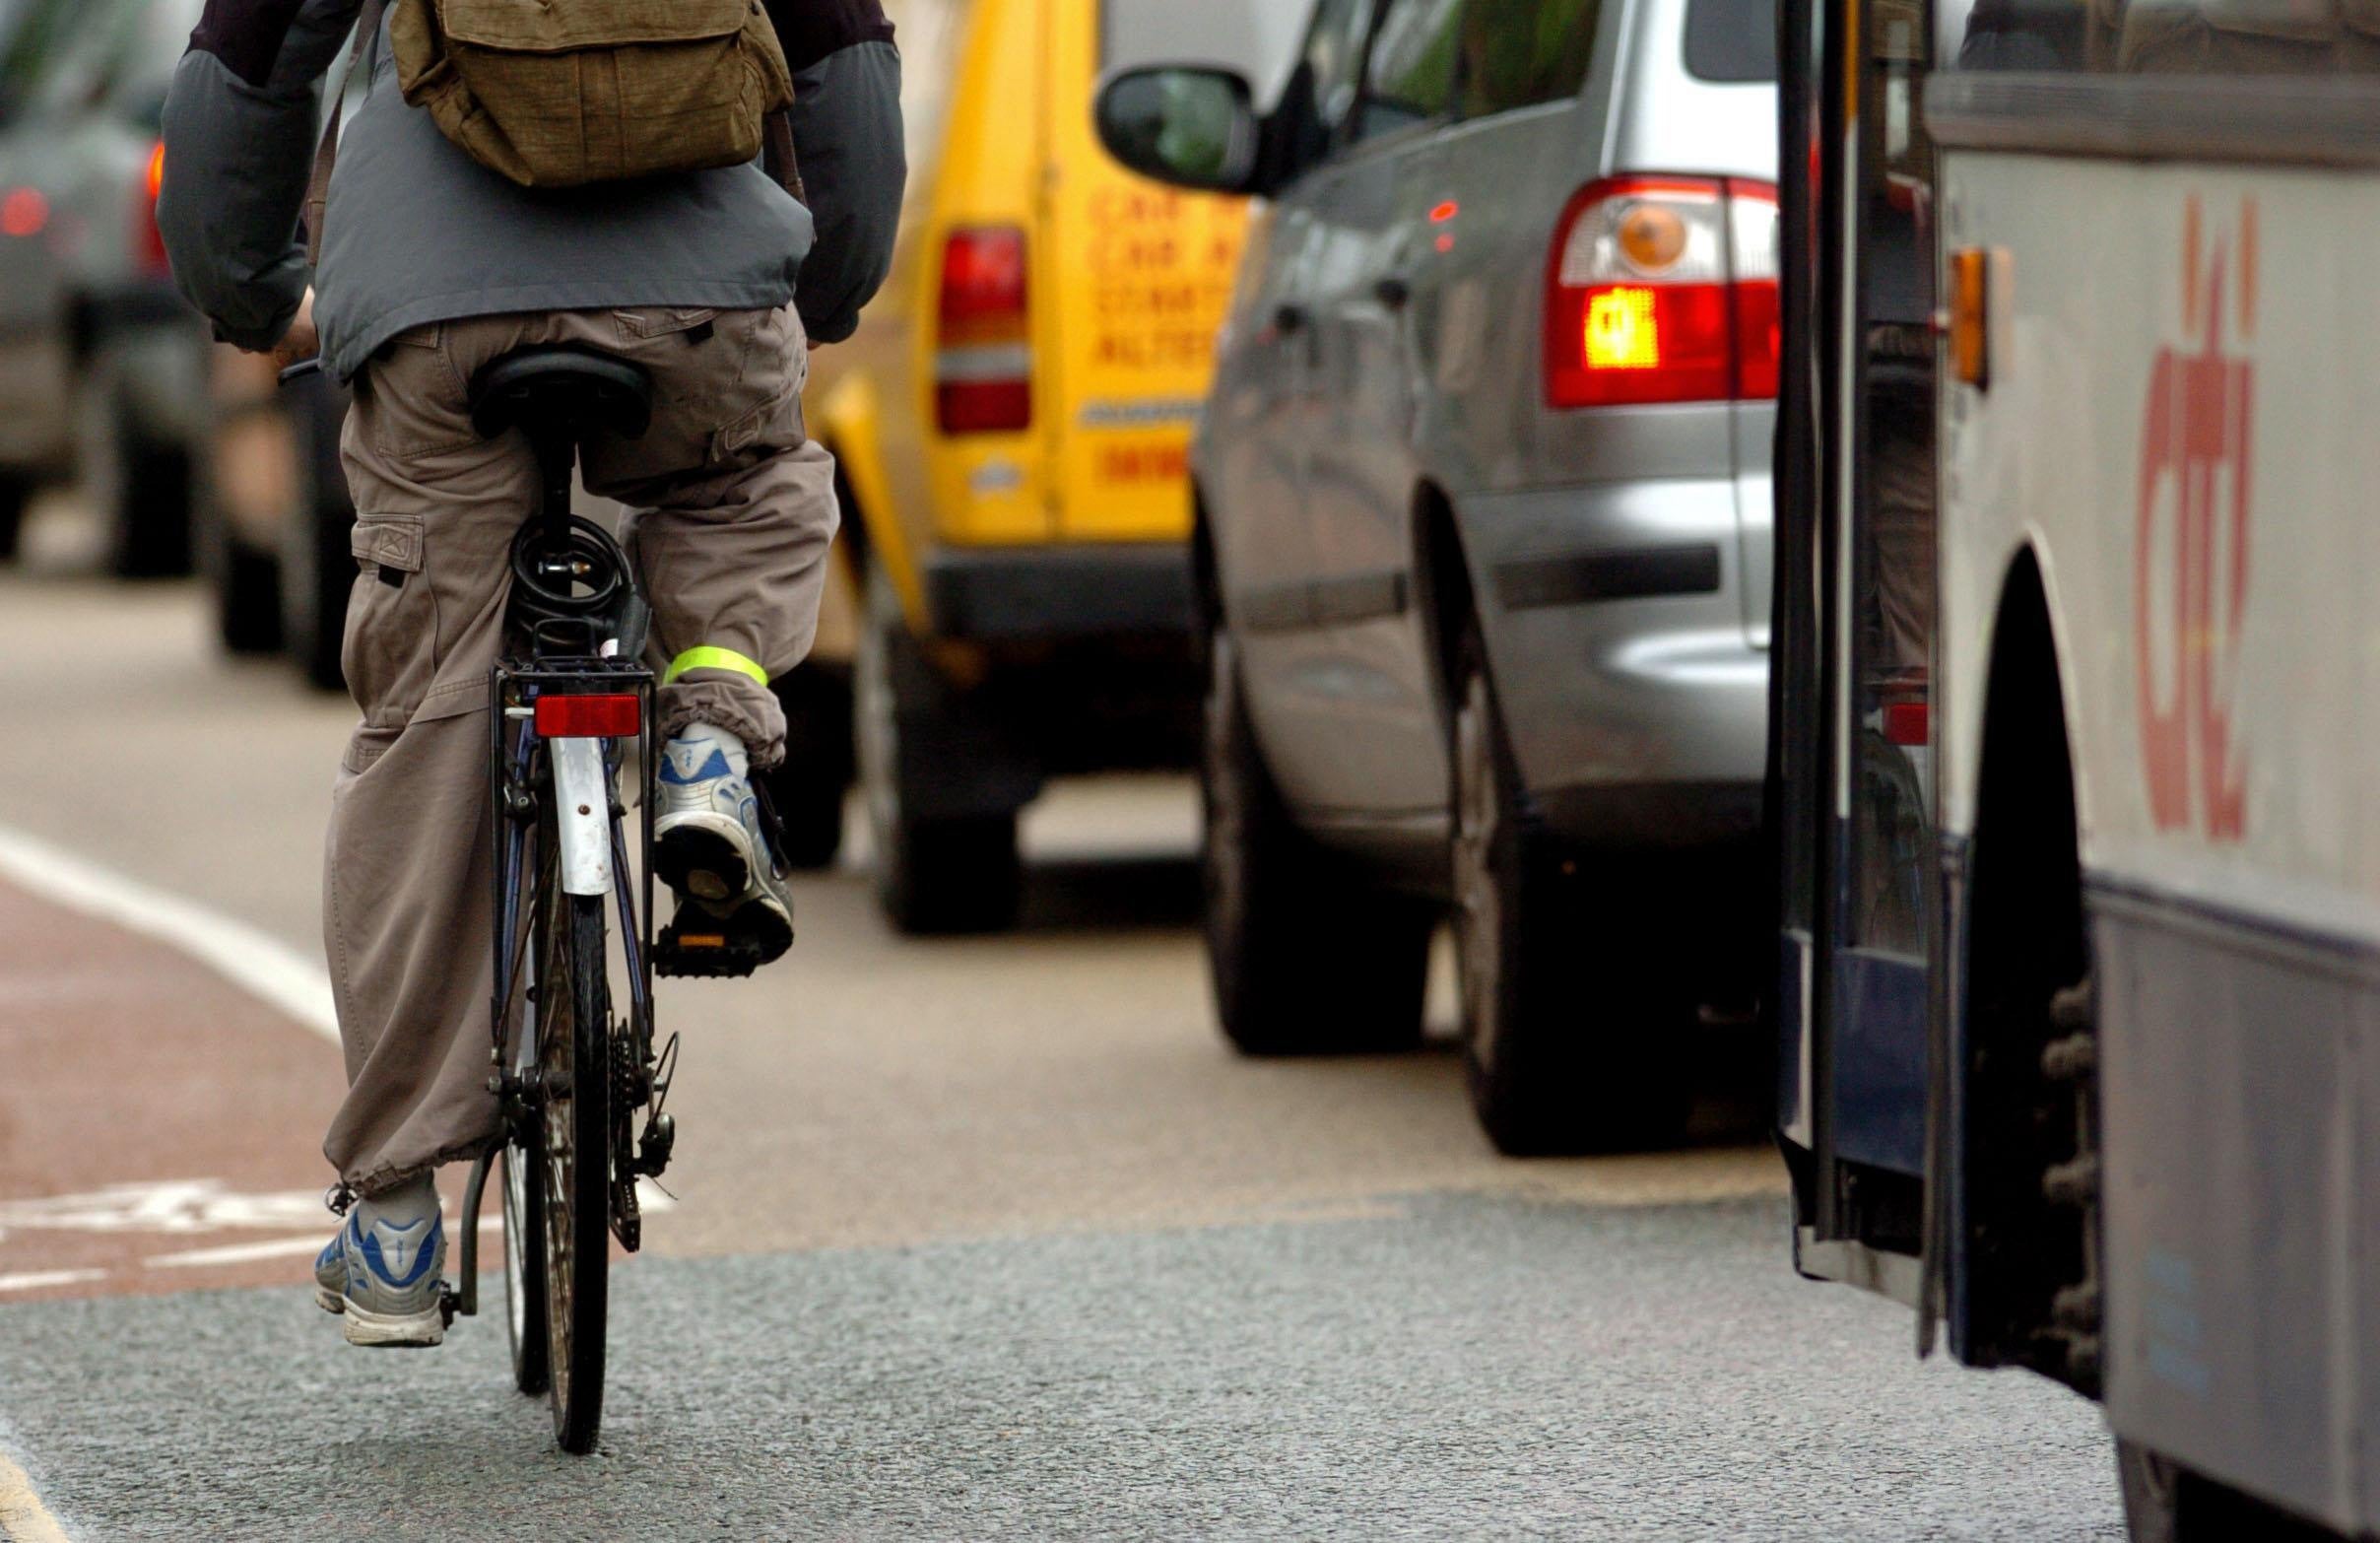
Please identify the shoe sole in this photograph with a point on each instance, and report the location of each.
(705, 857)
(394, 1330)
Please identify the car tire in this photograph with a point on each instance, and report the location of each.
(1308, 955)
(934, 875)
(15, 494)
(1563, 1051)
(246, 585)
(317, 565)
(2167, 1503)
(809, 784)
(140, 488)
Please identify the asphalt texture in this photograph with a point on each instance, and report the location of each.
(1444, 1367)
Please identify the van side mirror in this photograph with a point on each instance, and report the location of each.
(1189, 125)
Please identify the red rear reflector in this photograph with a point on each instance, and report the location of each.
(147, 239)
(983, 406)
(1908, 723)
(587, 717)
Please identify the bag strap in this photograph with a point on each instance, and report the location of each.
(326, 154)
(777, 152)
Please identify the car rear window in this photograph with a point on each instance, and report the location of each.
(1731, 41)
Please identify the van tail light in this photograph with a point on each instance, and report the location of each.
(146, 240)
(1663, 289)
(607, 715)
(983, 360)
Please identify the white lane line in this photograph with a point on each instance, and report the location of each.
(254, 961)
(35, 1280)
(22, 1516)
(269, 1249)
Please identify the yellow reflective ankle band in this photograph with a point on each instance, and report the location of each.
(710, 659)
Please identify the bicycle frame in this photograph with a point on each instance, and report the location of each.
(580, 776)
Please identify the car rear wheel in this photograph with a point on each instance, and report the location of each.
(1308, 955)
(139, 487)
(935, 873)
(319, 569)
(1566, 1047)
(809, 784)
(15, 493)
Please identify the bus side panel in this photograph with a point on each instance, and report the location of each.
(2236, 1066)
(2177, 425)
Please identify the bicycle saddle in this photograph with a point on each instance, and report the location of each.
(546, 388)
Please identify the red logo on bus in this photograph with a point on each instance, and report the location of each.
(2190, 567)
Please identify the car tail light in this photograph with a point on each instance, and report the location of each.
(606, 717)
(1663, 289)
(983, 360)
(146, 240)
(24, 212)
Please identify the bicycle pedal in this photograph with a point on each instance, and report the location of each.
(698, 947)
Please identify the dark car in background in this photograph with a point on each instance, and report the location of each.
(102, 370)
(1482, 536)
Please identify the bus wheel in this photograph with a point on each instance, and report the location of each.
(2167, 1503)
(1562, 1049)
(1307, 955)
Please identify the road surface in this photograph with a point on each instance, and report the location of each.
(969, 1238)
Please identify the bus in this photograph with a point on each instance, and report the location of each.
(2076, 678)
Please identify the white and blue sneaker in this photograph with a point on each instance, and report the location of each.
(711, 845)
(383, 1269)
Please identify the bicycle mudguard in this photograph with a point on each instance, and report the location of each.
(583, 815)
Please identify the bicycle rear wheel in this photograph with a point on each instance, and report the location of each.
(525, 1267)
(573, 1055)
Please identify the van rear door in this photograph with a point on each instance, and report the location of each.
(1131, 282)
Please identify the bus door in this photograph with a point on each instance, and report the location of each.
(1851, 769)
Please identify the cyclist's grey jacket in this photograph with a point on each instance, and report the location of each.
(416, 231)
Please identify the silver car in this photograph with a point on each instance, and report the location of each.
(1482, 534)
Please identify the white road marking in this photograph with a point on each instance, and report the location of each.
(181, 1205)
(35, 1280)
(22, 1516)
(252, 960)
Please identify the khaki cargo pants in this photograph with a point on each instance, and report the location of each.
(733, 509)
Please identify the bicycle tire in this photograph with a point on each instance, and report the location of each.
(524, 1205)
(573, 1010)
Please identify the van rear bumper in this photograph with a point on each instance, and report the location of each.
(1020, 593)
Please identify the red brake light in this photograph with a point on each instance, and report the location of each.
(983, 360)
(1907, 723)
(146, 239)
(1661, 289)
(609, 716)
(24, 212)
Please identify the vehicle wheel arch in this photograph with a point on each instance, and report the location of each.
(2022, 936)
(1445, 592)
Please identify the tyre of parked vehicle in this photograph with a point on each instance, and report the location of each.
(1567, 1045)
(946, 844)
(15, 493)
(138, 483)
(317, 567)
(1306, 954)
(809, 784)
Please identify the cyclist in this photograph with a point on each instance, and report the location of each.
(430, 266)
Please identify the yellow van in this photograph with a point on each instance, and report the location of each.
(1012, 423)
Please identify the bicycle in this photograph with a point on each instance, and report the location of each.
(570, 694)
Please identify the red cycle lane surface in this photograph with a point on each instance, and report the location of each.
(160, 1128)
